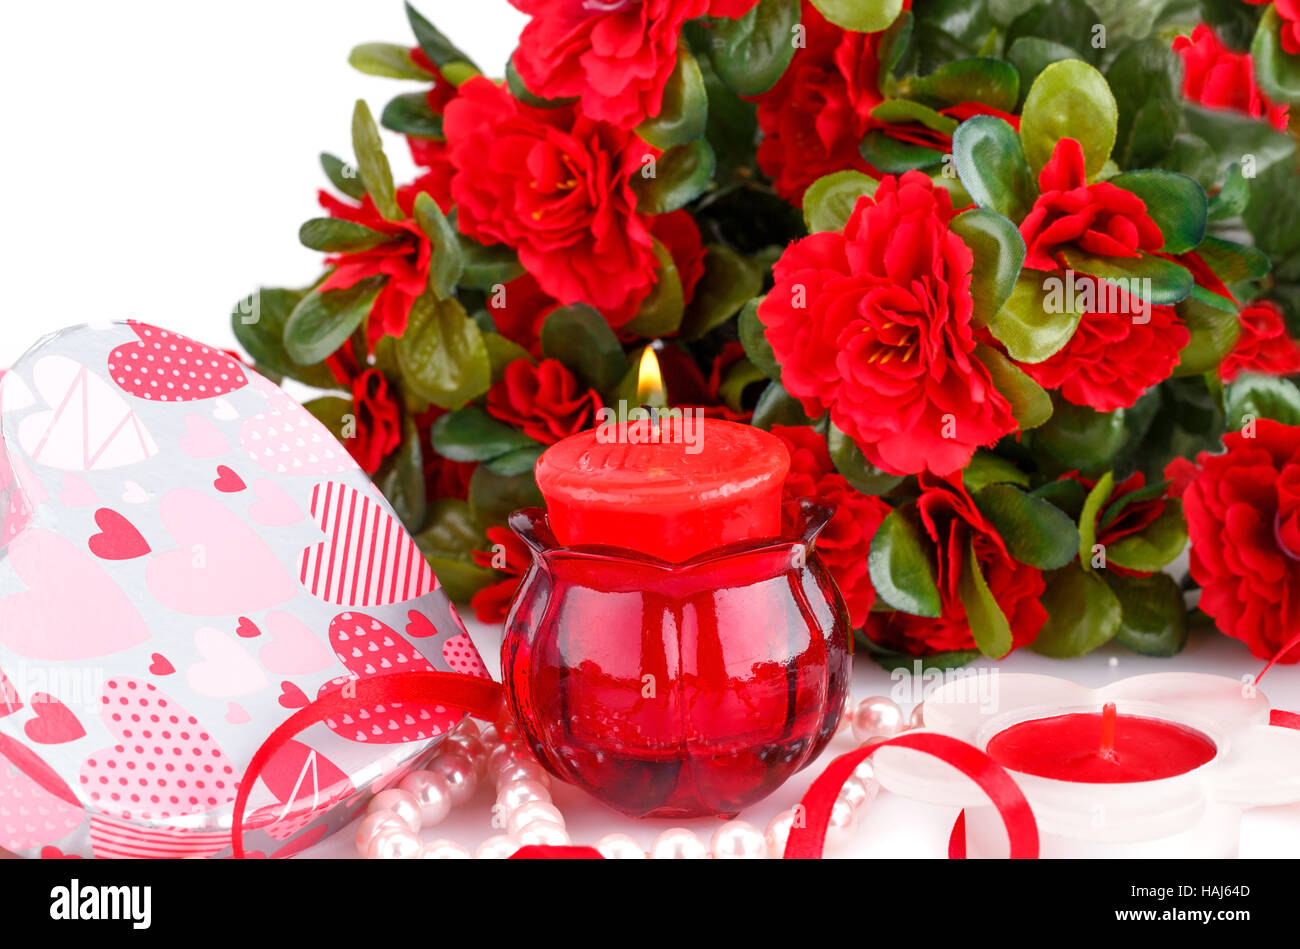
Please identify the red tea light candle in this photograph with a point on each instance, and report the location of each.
(1101, 748)
(672, 488)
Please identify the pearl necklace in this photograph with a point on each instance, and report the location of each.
(524, 810)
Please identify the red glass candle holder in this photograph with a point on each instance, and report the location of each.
(677, 690)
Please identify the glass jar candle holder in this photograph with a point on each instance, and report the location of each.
(677, 689)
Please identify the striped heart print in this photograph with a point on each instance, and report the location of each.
(367, 558)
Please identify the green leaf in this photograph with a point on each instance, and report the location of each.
(991, 165)
(1030, 403)
(1068, 22)
(986, 468)
(470, 434)
(905, 661)
(900, 567)
(1149, 278)
(454, 64)
(754, 338)
(1067, 494)
(1069, 99)
(677, 177)
(322, 322)
(1154, 547)
(661, 312)
(1097, 498)
(1276, 70)
(751, 53)
(342, 176)
(372, 164)
(1233, 262)
(445, 263)
(1035, 531)
(986, 79)
(487, 266)
(515, 462)
(1153, 619)
(861, 16)
(999, 252)
(1076, 437)
(777, 407)
(729, 282)
(333, 235)
(829, 201)
(409, 113)
(515, 83)
(501, 353)
(442, 355)
(1120, 505)
(332, 412)
(893, 45)
(447, 542)
(892, 156)
(903, 111)
(1032, 325)
(1175, 202)
(1214, 332)
(1145, 78)
(1232, 197)
(685, 106)
(1259, 397)
(258, 323)
(402, 479)
(388, 60)
(853, 465)
(988, 624)
(492, 496)
(579, 337)
(1031, 55)
(1082, 614)
(737, 381)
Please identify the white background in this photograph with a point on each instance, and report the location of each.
(158, 159)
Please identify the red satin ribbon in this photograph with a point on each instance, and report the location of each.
(481, 698)
(806, 842)
(1294, 641)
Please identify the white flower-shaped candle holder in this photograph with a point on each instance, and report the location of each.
(1192, 752)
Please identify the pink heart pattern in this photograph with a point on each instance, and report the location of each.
(367, 559)
(36, 806)
(369, 648)
(287, 439)
(460, 654)
(169, 367)
(54, 723)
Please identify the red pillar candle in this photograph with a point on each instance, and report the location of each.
(706, 483)
(1101, 748)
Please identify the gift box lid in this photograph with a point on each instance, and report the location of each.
(186, 557)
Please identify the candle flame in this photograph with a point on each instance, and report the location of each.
(650, 381)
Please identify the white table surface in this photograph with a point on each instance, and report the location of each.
(893, 826)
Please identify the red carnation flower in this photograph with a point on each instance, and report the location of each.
(1243, 518)
(874, 324)
(378, 421)
(404, 259)
(1215, 76)
(1121, 347)
(1134, 513)
(431, 153)
(1263, 345)
(511, 558)
(518, 311)
(1289, 13)
(1101, 218)
(952, 522)
(845, 541)
(615, 55)
(553, 185)
(545, 401)
(680, 235)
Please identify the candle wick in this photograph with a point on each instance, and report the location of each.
(1108, 717)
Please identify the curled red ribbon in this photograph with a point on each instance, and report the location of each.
(481, 698)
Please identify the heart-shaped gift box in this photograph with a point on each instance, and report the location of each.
(187, 556)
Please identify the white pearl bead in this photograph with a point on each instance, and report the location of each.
(620, 847)
(524, 771)
(917, 718)
(855, 793)
(866, 773)
(499, 847)
(511, 796)
(402, 803)
(467, 726)
(468, 745)
(843, 822)
(525, 814)
(458, 771)
(506, 749)
(543, 832)
(431, 792)
(490, 737)
(444, 850)
(877, 717)
(846, 716)
(778, 833)
(678, 843)
(738, 840)
(373, 824)
(393, 845)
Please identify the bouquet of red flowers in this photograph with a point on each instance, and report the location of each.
(1017, 282)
